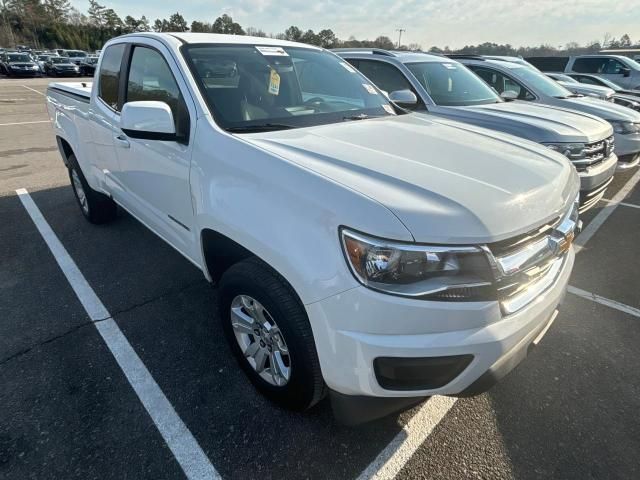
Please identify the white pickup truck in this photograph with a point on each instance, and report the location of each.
(378, 256)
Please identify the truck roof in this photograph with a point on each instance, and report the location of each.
(204, 38)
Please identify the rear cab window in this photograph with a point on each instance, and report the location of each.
(109, 76)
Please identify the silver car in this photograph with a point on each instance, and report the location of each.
(519, 82)
(446, 88)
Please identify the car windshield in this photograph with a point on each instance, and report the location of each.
(563, 78)
(18, 57)
(631, 63)
(60, 60)
(452, 84)
(91, 60)
(255, 88)
(609, 83)
(540, 82)
(43, 57)
(77, 54)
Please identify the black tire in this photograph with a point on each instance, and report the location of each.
(253, 277)
(98, 207)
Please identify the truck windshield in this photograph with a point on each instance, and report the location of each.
(540, 82)
(452, 84)
(252, 88)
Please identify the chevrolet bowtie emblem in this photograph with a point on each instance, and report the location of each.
(559, 243)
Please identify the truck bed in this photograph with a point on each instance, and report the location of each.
(78, 90)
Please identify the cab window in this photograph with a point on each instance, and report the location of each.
(385, 76)
(502, 83)
(151, 79)
(109, 77)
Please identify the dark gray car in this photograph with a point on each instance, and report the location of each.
(446, 88)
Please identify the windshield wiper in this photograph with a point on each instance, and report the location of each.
(263, 127)
(361, 116)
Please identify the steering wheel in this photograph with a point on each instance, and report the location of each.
(316, 102)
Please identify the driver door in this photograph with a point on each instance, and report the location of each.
(154, 174)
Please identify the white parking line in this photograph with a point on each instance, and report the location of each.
(604, 301)
(179, 439)
(602, 216)
(624, 204)
(24, 123)
(395, 455)
(34, 90)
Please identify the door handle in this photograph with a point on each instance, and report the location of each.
(122, 142)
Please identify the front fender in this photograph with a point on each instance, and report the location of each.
(285, 214)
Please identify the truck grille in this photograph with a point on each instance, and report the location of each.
(527, 265)
(595, 153)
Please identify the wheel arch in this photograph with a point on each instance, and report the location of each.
(65, 148)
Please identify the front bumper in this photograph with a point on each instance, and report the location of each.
(628, 150)
(358, 326)
(594, 182)
(23, 73)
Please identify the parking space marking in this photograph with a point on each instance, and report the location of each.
(185, 448)
(24, 123)
(624, 204)
(395, 455)
(602, 216)
(604, 301)
(34, 90)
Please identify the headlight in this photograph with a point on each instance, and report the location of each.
(428, 272)
(573, 151)
(624, 127)
(35, 67)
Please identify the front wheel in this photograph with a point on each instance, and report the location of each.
(269, 333)
(95, 206)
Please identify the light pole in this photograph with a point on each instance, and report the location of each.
(400, 30)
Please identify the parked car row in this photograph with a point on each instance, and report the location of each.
(37, 63)
(382, 226)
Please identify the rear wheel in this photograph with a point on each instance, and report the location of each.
(269, 333)
(95, 206)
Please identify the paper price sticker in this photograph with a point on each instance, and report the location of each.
(272, 51)
(369, 89)
(274, 83)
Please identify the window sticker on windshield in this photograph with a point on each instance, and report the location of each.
(274, 83)
(348, 67)
(450, 66)
(389, 109)
(369, 89)
(272, 51)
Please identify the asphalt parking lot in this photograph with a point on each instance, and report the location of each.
(69, 410)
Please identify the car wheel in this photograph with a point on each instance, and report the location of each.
(269, 333)
(95, 206)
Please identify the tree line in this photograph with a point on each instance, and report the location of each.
(56, 24)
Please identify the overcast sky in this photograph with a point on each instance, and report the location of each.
(427, 22)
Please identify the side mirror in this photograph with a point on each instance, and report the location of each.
(403, 98)
(626, 72)
(148, 120)
(509, 95)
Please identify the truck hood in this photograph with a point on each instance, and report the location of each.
(446, 182)
(537, 123)
(602, 109)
